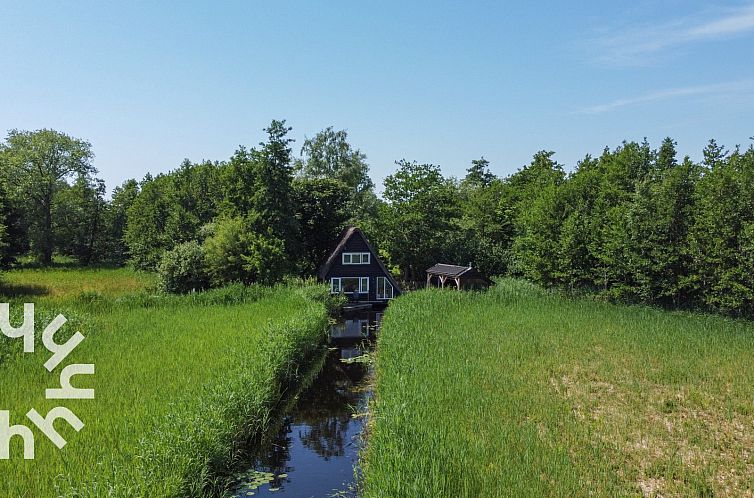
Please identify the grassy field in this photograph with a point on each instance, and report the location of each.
(58, 284)
(179, 381)
(519, 392)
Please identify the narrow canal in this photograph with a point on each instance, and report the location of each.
(315, 452)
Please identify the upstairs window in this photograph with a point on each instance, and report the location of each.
(357, 258)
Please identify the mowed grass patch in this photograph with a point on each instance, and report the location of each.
(521, 392)
(179, 381)
(56, 284)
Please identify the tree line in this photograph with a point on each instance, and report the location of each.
(635, 224)
(257, 217)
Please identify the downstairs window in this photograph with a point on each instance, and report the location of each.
(349, 285)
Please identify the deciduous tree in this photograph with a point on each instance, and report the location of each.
(417, 218)
(38, 161)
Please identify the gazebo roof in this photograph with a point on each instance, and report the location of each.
(449, 270)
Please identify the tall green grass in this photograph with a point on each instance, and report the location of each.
(521, 392)
(179, 382)
(69, 288)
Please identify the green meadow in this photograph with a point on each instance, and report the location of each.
(180, 381)
(521, 392)
(63, 284)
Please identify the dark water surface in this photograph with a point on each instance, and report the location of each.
(315, 452)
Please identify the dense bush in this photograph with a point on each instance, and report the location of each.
(237, 254)
(225, 250)
(182, 269)
(266, 262)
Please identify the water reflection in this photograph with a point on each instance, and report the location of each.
(315, 452)
(356, 325)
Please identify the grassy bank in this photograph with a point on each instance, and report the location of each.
(525, 393)
(179, 381)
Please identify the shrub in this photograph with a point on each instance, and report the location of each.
(234, 253)
(224, 250)
(266, 261)
(182, 269)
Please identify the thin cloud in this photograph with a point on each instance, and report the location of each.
(720, 89)
(737, 22)
(639, 45)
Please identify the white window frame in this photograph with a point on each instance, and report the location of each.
(336, 285)
(385, 283)
(347, 258)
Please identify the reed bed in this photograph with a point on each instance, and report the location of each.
(521, 392)
(180, 382)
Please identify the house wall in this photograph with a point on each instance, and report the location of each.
(372, 270)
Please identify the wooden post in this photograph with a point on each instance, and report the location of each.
(458, 283)
(429, 280)
(442, 281)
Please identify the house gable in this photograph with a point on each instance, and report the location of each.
(353, 241)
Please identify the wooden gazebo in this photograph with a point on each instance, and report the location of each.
(461, 277)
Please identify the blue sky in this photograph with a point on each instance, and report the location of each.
(149, 83)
